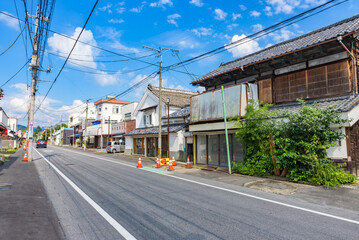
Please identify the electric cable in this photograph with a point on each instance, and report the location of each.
(83, 28)
(15, 74)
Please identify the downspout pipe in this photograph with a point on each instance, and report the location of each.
(354, 64)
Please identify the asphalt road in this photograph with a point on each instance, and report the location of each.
(99, 197)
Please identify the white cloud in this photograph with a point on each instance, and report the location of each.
(172, 19)
(268, 11)
(232, 26)
(137, 10)
(83, 52)
(283, 35)
(257, 27)
(198, 3)
(116, 20)
(107, 79)
(162, 3)
(10, 22)
(202, 31)
(244, 47)
(17, 102)
(114, 36)
(220, 14)
(121, 3)
(255, 13)
(283, 6)
(235, 16)
(120, 10)
(242, 7)
(106, 8)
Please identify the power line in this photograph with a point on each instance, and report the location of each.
(14, 41)
(263, 32)
(15, 74)
(83, 28)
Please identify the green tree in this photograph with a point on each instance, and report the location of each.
(295, 146)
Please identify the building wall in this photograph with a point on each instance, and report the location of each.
(130, 125)
(3, 118)
(128, 145)
(12, 123)
(128, 108)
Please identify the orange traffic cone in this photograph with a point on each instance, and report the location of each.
(158, 165)
(170, 166)
(139, 164)
(24, 148)
(173, 160)
(25, 157)
(188, 165)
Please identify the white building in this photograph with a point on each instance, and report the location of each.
(110, 115)
(144, 139)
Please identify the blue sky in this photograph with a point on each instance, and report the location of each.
(191, 26)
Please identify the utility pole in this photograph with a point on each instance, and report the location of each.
(109, 128)
(160, 50)
(34, 65)
(85, 137)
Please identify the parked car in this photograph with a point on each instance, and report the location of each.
(42, 143)
(115, 146)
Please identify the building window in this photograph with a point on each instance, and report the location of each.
(128, 116)
(138, 146)
(115, 110)
(213, 150)
(144, 119)
(99, 109)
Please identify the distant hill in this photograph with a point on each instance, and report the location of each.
(21, 127)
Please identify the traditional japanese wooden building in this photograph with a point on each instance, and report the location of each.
(320, 66)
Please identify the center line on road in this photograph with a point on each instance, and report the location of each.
(120, 229)
(229, 190)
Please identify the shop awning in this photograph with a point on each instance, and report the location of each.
(118, 136)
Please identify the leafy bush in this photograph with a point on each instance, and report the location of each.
(295, 147)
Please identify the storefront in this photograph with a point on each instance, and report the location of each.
(211, 149)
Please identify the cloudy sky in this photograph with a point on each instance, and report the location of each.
(123, 27)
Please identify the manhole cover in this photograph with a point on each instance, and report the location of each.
(5, 186)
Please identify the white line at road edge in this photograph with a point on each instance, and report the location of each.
(228, 190)
(100, 210)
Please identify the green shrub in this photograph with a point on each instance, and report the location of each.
(295, 147)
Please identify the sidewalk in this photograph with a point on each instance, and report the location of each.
(25, 211)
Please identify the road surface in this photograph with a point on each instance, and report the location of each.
(105, 197)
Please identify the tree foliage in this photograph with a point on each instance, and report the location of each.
(294, 146)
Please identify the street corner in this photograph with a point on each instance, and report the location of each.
(275, 186)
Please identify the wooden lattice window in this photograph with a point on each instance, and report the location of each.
(297, 85)
(265, 90)
(338, 78)
(317, 82)
(281, 88)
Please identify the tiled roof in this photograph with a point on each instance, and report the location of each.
(154, 130)
(330, 32)
(184, 112)
(178, 97)
(111, 101)
(343, 104)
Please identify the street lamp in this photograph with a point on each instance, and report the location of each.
(168, 127)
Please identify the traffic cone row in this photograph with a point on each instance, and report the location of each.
(158, 165)
(25, 157)
(173, 160)
(170, 166)
(188, 165)
(139, 164)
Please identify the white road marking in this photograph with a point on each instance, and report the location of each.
(121, 230)
(228, 190)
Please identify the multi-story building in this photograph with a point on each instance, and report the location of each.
(144, 139)
(320, 66)
(110, 116)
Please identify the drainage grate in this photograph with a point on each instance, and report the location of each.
(69, 164)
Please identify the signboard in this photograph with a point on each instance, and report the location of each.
(208, 106)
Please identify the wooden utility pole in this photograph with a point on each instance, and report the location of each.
(34, 65)
(85, 136)
(160, 50)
